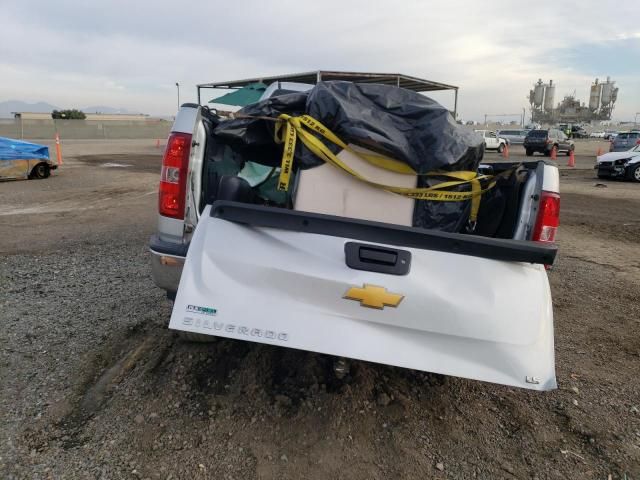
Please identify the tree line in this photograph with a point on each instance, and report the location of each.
(71, 114)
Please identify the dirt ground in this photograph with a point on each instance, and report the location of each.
(94, 385)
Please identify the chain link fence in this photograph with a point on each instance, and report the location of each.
(83, 129)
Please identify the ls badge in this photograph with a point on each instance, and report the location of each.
(373, 296)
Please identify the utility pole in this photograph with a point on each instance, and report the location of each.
(635, 119)
(178, 87)
(523, 114)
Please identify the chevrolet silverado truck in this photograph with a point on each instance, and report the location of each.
(458, 304)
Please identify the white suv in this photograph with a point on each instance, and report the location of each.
(492, 141)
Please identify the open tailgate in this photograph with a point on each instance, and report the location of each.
(458, 305)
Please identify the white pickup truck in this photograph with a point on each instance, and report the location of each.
(455, 304)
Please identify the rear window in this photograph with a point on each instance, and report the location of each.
(628, 135)
(538, 133)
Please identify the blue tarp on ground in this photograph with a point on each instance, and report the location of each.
(11, 149)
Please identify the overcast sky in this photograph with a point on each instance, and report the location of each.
(130, 53)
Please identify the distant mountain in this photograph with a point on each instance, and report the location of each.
(18, 106)
(105, 109)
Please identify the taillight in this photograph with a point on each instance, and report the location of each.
(548, 217)
(173, 176)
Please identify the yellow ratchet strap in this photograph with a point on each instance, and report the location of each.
(302, 127)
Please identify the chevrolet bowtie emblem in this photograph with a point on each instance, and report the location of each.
(373, 296)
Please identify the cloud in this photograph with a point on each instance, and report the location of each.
(131, 54)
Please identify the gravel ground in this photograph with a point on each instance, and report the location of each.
(95, 386)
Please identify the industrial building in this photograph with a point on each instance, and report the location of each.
(602, 99)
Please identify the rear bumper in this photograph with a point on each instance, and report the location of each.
(537, 147)
(167, 261)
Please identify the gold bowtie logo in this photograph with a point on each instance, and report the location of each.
(373, 296)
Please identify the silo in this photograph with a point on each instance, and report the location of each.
(549, 96)
(607, 90)
(594, 97)
(538, 93)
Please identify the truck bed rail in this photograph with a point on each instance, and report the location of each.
(284, 219)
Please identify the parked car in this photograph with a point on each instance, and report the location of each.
(543, 141)
(610, 135)
(492, 141)
(286, 277)
(625, 165)
(597, 135)
(624, 141)
(578, 132)
(514, 137)
(572, 131)
(22, 160)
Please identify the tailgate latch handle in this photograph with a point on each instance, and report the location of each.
(377, 255)
(374, 258)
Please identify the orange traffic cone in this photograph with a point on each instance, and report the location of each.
(554, 153)
(158, 143)
(572, 159)
(505, 151)
(58, 149)
(599, 152)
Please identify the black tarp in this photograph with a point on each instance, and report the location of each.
(392, 121)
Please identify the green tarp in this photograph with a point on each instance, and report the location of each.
(243, 96)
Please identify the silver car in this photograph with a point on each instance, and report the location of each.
(624, 141)
(515, 137)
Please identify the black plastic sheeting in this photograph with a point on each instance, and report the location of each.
(254, 138)
(499, 208)
(392, 121)
(402, 124)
